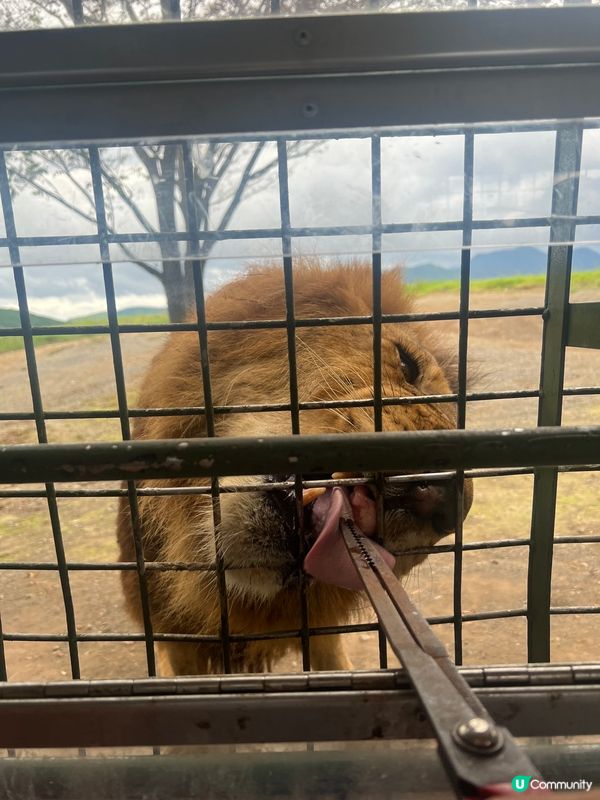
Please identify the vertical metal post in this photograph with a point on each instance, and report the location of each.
(209, 414)
(3, 674)
(115, 342)
(38, 410)
(461, 413)
(567, 163)
(286, 241)
(377, 334)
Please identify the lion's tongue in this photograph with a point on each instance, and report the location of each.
(328, 559)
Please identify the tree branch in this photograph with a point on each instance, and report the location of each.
(224, 166)
(118, 187)
(50, 193)
(148, 161)
(134, 259)
(67, 172)
(295, 150)
(143, 264)
(237, 196)
(55, 14)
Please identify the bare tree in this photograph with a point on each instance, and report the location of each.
(21, 14)
(224, 170)
(150, 183)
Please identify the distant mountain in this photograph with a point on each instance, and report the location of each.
(503, 264)
(71, 290)
(430, 272)
(10, 318)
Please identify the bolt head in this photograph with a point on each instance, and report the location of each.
(478, 734)
(310, 110)
(303, 37)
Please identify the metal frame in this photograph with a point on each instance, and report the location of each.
(545, 700)
(296, 74)
(367, 452)
(519, 452)
(500, 63)
(376, 772)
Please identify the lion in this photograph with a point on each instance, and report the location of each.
(258, 540)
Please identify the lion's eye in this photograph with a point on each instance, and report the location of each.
(408, 365)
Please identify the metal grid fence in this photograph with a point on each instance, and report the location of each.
(562, 225)
(563, 325)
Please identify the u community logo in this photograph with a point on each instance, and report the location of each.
(520, 783)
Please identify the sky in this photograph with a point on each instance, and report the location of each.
(422, 180)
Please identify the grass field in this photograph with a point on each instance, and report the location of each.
(579, 280)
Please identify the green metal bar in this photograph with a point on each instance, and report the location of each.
(564, 208)
(121, 390)
(197, 265)
(3, 673)
(367, 452)
(583, 326)
(377, 337)
(290, 321)
(252, 408)
(38, 411)
(461, 407)
(270, 324)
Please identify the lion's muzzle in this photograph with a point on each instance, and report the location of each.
(435, 502)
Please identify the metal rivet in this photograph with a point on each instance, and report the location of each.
(302, 37)
(310, 109)
(479, 735)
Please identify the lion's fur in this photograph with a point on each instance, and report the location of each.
(334, 362)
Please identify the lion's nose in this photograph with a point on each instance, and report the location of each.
(437, 502)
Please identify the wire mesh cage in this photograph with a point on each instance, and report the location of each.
(79, 133)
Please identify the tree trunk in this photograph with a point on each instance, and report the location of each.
(178, 300)
(178, 303)
(189, 278)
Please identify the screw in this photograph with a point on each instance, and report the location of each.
(303, 37)
(478, 735)
(310, 109)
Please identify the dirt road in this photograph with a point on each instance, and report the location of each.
(503, 353)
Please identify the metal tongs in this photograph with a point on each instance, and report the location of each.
(480, 757)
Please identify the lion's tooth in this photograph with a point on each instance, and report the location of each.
(308, 495)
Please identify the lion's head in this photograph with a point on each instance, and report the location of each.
(333, 363)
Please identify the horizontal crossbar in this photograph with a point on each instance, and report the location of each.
(318, 73)
(362, 452)
(550, 700)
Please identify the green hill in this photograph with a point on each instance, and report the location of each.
(9, 318)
